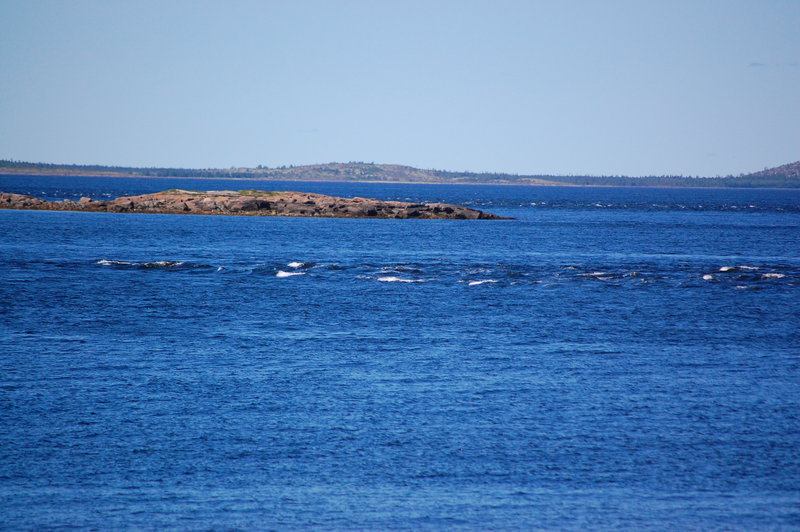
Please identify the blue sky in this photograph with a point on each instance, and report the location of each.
(561, 87)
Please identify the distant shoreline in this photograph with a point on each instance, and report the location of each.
(782, 177)
(271, 180)
(437, 183)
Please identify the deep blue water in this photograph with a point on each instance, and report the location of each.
(611, 359)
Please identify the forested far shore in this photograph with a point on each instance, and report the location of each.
(786, 176)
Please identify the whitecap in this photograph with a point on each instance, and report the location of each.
(728, 269)
(163, 264)
(304, 265)
(748, 267)
(393, 279)
(708, 277)
(773, 275)
(476, 283)
(106, 262)
(282, 273)
(593, 274)
(149, 265)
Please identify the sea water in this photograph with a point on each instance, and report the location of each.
(610, 359)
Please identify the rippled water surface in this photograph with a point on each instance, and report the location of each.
(613, 358)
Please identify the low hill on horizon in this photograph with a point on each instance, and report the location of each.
(785, 176)
(791, 170)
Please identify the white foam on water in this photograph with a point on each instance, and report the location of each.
(295, 264)
(593, 274)
(484, 281)
(163, 264)
(151, 264)
(773, 275)
(282, 273)
(728, 269)
(708, 277)
(748, 267)
(393, 279)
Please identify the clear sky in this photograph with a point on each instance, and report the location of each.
(563, 87)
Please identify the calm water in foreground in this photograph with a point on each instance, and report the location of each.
(611, 359)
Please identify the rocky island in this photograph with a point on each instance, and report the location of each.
(252, 203)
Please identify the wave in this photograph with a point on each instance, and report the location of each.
(282, 273)
(484, 281)
(151, 264)
(728, 269)
(301, 265)
(710, 206)
(638, 274)
(155, 264)
(163, 264)
(400, 269)
(106, 262)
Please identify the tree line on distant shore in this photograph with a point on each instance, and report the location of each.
(781, 177)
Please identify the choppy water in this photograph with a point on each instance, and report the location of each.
(614, 358)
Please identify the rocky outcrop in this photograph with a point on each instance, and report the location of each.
(252, 203)
(19, 201)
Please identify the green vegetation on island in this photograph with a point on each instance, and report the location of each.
(786, 176)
